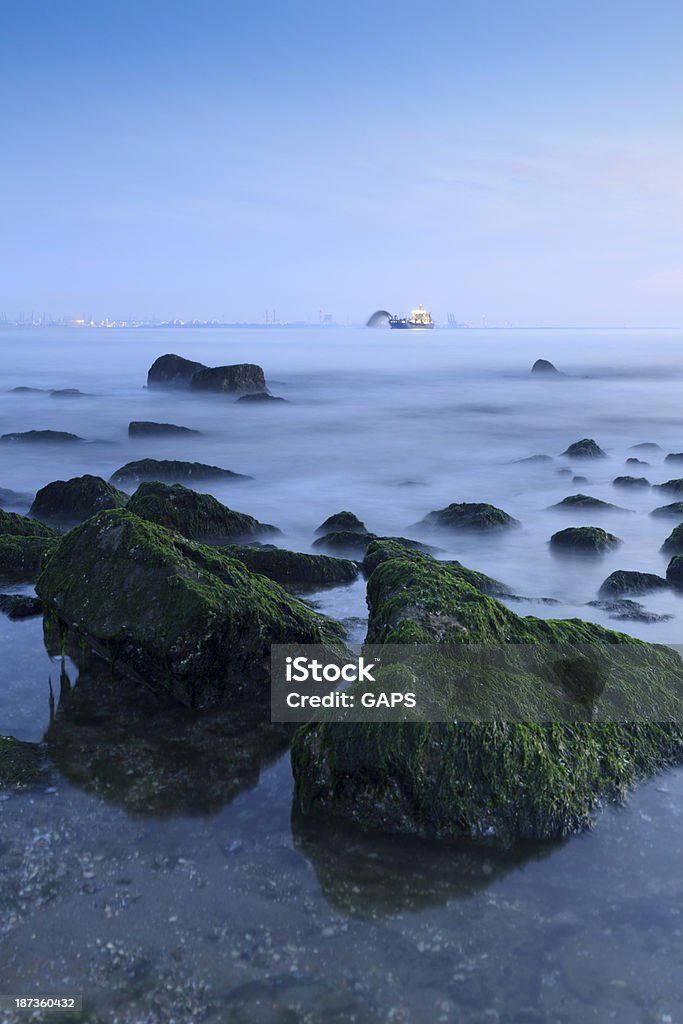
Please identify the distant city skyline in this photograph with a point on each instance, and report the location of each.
(520, 163)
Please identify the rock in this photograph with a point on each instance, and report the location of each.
(579, 479)
(67, 393)
(589, 539)
(630, 481)
(534, 458)
(628, 611)
(674, 486)
(67, 502)
(16, 498)
(624, 582)
(646, 446)
(469, 516)
(636, 462)
(20, 606)
(499, 781)
(234, 380)
(170, 471)
(172, 371)
(347, 542)
(674, 457)
(563, 471)
(22, 558)
(38, 436)
(261, 396)
(674, 571)
(585, 449)
(22, 765)
(147, 428)
(295, 569)
(342, 521)
(197, 516)
(195, 625)
(14, 525)
(675, 510)
(674, 542)
(383, 549)
(584, 501)
(544, 366)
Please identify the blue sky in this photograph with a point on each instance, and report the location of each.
(516, 161)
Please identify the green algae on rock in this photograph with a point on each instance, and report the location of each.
(494, 780)
(22, 765)
(294, 568)
(469, 515)
(197, 516)
(674, 542)
(673, 510)
(584, 501)
(22, 558)
(345, 521)
(180, 617)
(624, 582)
(67, 502)
(631, 481)
(148, 428)
(588, 539)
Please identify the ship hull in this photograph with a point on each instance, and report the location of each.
(405, 325)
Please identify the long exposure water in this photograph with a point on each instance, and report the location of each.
(166, 882)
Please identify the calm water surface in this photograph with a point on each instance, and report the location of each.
(158, 873)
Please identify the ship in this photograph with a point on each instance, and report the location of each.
(419, 319)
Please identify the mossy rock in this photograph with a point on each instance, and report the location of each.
(197, 516)
(674, 486)
(382, 550)
(20, 606)
(346, 542)
(625, 582)
(22, 558)
(294, 568)
(587, 448)
(342, 521)
(184, 619)
(588, 539)
(22, 765)
(674, 510)
(41, 436)
(582, 502)
(468, 515)
(673, 544)
(14, 525)
(492, 780)
(67, 502)
(674, 571)
(631, 481)
(170, 471)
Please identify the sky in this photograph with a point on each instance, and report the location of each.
(510, 163)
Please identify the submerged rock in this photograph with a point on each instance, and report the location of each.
(544, 366)
(636, 462)
(197, 516)
(20, 606)
(193, 624)
(579, 479)
(342, 521)
(147, 428)
(493, 780)
(38, 436)
(628, 611)
(646, 446)
(674, 486)
(630, 481)
(171, 471)
(624, 582)
(587, 448)
(675, 510)
(261, 396)
(469, 515)
(674, 457)
(67, 502)
(22, 765)
(589, 539)
(674, 542)
(534, 458)
(233, 380)
(295, 569)
(172, 371)
(585, 501)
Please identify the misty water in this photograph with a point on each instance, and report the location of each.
(195, 897)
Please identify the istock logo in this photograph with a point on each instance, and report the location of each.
(301, 670)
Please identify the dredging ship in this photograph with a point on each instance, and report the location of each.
(419, 319)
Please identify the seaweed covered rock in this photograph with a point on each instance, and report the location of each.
(347, 521)
(20, 606)
(40, 436)
(67, 502)
(588, 539)
(294, 568)
(148, 428)
(626, 610)
(170, 471)
(581, 502)
(544, 366)
(385, 548)
(197, 516)
(351, 543)
(624, 582)
(172, 371)
(22, 558)
(674, 510)
(674, 486)
(240, 379)
(22, 765)
(468, 515)
(674, 542)
(494, 780)
(193, 624)
(630, 481)
(14, 525)
(587, 448)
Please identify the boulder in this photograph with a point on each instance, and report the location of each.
(22, 765)
(234, 380)
(579, 479)
(585, 449)
(342, 521)
(170, 471)
(674, 510)
(183, 619)
(14, 525)
(636, 462)
(534, 459)
(261, 396)
(197, 516)
(22, 557)
(674, 542)
(381, 550)
(295, 569)
(674, 457)
(67, 502)
(584, 501)
(39, 436)
(646, 446)
(630, 481)
(544, 366)
(147, 428)
(628, 611)
(674, 571)
(498, 781)
(172, 371)
(467, 515)
(588, 539)
(20, 606)
(624, 582)
(347, 542)
(673, 486)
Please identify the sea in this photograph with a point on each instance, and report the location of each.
(169, 882)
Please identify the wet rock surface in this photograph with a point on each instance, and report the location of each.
(172, 371)
(586, 539)
(630, 481)
(344, 521)
(627, 610)
(67, 502)
(674, 509)
(674, 542)
(584, 501)
(546, 367)
(40, 437)
(587, 448)
(295, 569)
(468, 515)
(20, 606)
(625, 582)
(233, 380)
(199, 517)
(148, 428)
(170, 471)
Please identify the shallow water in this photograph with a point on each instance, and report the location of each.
(173, 894)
